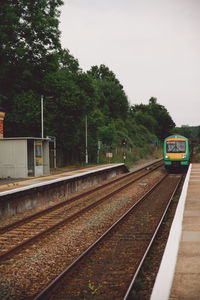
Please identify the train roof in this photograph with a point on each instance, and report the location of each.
(176, 136)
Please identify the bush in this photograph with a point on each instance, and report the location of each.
(198, 158)
(198, 149)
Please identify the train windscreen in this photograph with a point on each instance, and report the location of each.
(176, 147)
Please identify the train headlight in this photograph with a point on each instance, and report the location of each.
(166, 156)
(184, 156)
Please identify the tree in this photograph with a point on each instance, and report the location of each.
(33, 63)
(161, 115)
(29, 38)
(198, 134)
(184, 131)
(29, 29)
(73, 99)
(154, 117)
(104, 73)
(111, 98)
(145, 119)
(30, 48)
(108, 134)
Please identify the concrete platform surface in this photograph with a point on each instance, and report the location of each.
(186, 282)
(18, 196)
(179, 274)
(13, 184)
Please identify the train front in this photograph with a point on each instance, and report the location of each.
(176, 152)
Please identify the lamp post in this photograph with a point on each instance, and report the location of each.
(51, 138)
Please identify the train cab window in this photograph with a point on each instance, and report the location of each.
(176, 147)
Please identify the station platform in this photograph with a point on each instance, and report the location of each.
(20, 184)
(18, 195)
(179, 274)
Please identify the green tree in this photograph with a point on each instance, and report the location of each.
(154, 117)
(104, 73)
(161, 115)
(183, 130)
(147, 120)
(198, 134)
(108, 134)
(30, 48)
(29, 35)
(73, 99)
(111, 98)
(32, 63)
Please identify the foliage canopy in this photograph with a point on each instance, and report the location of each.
(33, 63)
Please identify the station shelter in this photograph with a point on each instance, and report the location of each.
(21, 157)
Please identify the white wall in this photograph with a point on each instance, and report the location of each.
(13, 158)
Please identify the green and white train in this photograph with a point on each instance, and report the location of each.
(176, 152)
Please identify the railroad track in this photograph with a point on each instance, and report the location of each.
(24, 232)
(108, 268)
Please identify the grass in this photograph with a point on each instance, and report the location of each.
(132, 155)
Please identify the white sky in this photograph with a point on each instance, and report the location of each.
(152, 46)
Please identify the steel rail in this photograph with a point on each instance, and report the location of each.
(74, 198)
(44, 293)
(152, 240)
(69, 218)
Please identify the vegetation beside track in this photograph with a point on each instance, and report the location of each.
(34, 66)
(197, 157)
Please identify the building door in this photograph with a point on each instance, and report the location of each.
(30, 156)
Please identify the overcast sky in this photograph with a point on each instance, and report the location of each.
(152, 46)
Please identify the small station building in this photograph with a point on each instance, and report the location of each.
(21, 157)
